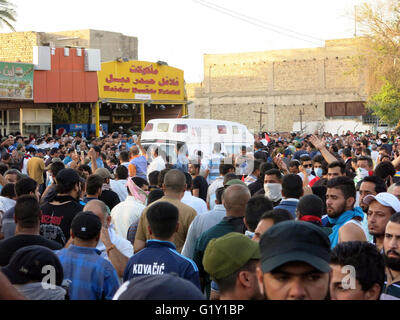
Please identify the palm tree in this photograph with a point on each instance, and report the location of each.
(7, 14)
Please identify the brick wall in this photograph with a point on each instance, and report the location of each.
(279, 81)
(17, 46)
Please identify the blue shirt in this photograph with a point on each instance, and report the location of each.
(99, 163)
(289, 205)
(160, 257)
(67, 160)
(93, 277)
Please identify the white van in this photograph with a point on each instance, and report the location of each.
(196, 134)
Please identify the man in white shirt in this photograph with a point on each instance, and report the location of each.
(125, 213)
(119, 184)
(157, 162)
(113, 248)
(196, 203)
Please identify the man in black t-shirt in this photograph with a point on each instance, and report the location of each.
(27, 219)
(200, 185)
(57, 215)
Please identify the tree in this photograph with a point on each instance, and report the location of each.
(7, 14)
(386, 104)
(379, 24)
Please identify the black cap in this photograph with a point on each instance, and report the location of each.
(27, 263)
(68, 176)
(86, 225)
(290, 241)
(159, 287)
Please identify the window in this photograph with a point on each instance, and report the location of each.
(148, 127)
(180, 128)
(221, 129)
(334, 109)
(162, 127)
(235, 130)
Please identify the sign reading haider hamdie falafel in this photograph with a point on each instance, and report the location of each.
(16, 81)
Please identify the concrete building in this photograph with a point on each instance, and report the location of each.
(288, 90)
(17, 46)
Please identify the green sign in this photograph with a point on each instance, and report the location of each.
(16, 81)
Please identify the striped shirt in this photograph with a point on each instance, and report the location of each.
(92, 277)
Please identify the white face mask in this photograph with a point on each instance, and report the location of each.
(318, 172)
(362, 173)
(273, 191)
(308, 171)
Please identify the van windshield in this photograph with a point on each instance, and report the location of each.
(162, 127)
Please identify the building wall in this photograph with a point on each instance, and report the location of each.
(17, 46)
(281, 83)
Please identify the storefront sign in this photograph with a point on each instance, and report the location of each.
(16, 81)
(140, 80)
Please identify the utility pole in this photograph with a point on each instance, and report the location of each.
(355, 21)
(261, 113)
(209, 91)
(301, 112)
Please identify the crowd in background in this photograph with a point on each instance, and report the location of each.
(285, 220)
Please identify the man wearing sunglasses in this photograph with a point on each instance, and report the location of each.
(306, 163)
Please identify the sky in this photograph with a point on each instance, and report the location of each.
(180, 32)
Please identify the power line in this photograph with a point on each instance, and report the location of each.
(255, 22)
(260, 21)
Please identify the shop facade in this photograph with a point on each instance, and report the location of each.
(18, 112)
(134, 92)
(65, 79)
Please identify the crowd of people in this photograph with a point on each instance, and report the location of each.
(298, 217)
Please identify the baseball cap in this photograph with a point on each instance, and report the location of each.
(158, 287)
(234, 181)
(225, 255)
(384, 198)
(290, 241)
(86, 225)
(104, 173)
(68, 176)
(383, 136)
(26, 265)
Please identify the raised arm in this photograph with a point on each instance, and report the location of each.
(142, 150)
(321, 146)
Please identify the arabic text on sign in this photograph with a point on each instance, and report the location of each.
(142, 81)
(170, 82)
(143, 71)
(111, 79)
